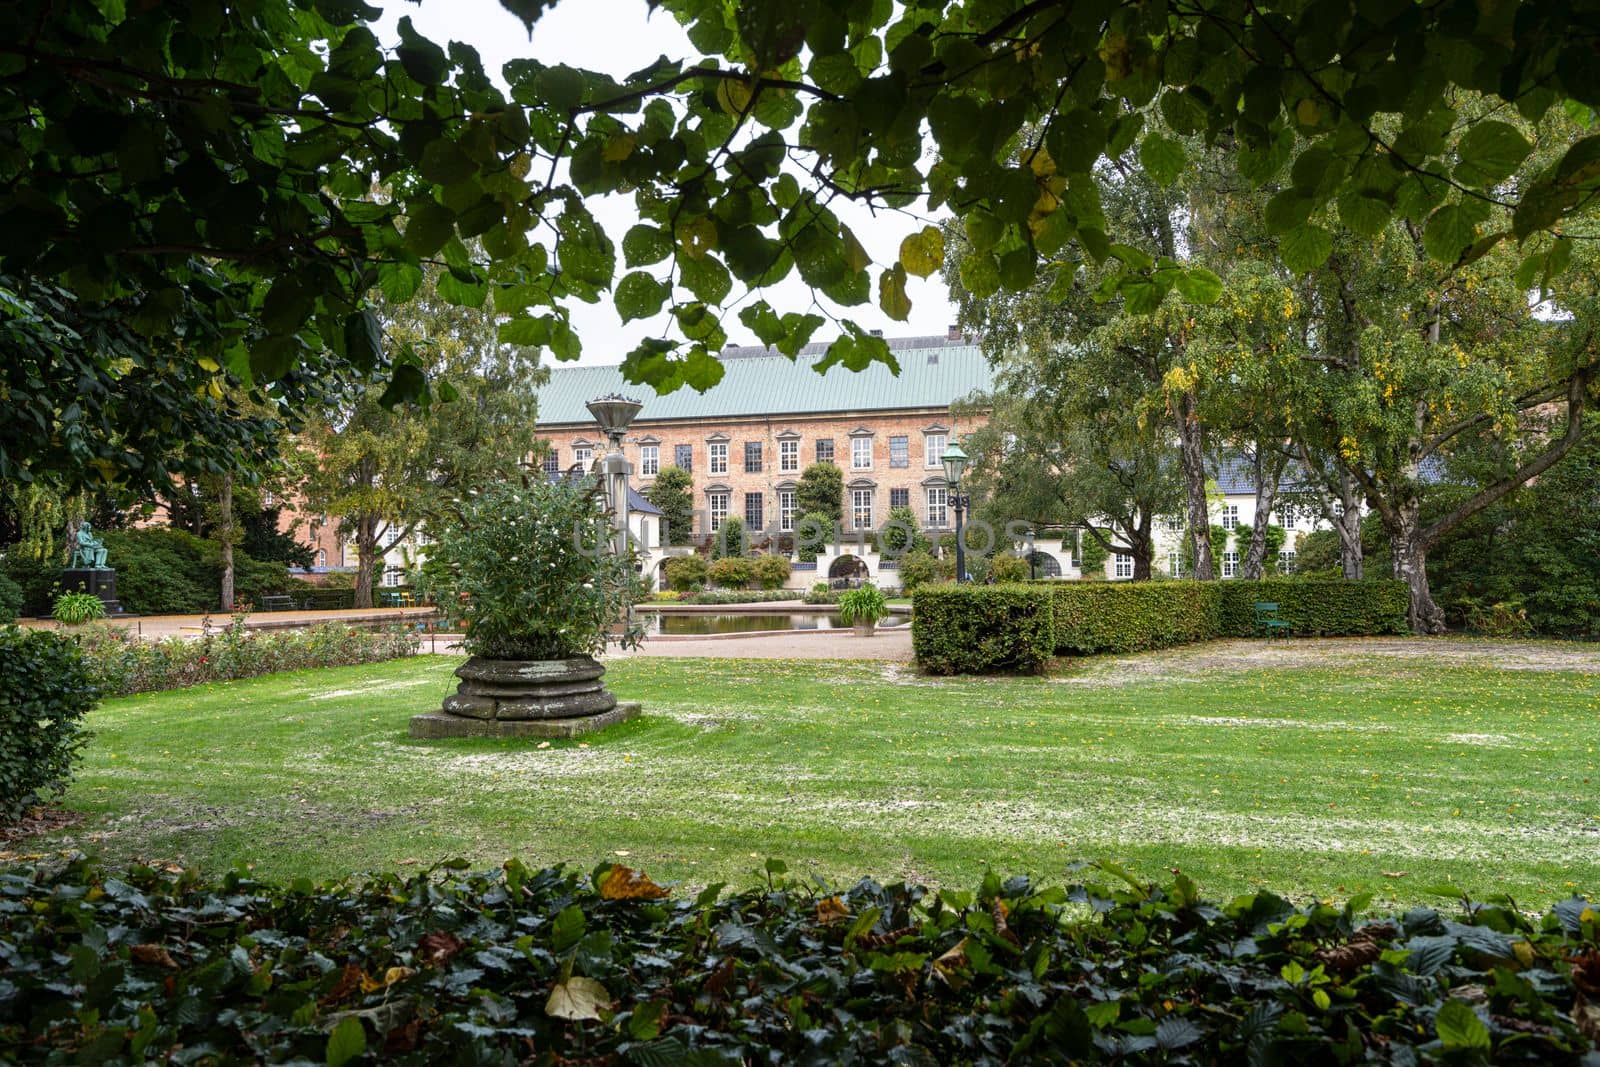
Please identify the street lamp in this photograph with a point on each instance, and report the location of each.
(615, 413)
(954, 461)
(1033, 560)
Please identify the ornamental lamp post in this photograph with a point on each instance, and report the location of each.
(1033, 560)
(954, 462)
(615, 413)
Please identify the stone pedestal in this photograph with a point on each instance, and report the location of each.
(525, 698)
(101, 581)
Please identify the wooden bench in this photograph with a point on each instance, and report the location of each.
(1267, 621)
(277, 603)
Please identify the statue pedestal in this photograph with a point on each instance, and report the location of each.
(101, 581)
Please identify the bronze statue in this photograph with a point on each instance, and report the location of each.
(91, 551)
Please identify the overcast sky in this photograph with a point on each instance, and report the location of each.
(619, 37)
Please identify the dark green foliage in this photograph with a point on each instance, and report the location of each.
(261, 539)
(917, 569)
(38, 580)
(73, 609)
(161, 571)
(814, 532)
(1315, 608)
(10, 599)
(1098, 617)
(456, 967)
(673, 493)
(1005, 567)
(1317, 554)
(686, 572)
(730, 538)
(1093, 557)
(46, 688)
(732, 572)
(771, 571)
(900, 534)
(1088, 618)
(820, 491)
(972, 629)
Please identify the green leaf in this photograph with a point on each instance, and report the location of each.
(1162, 157)
(1363, 215)
(1490, 152)
(1287, 210)
(429, 225)
(980, 275)
(1460, 1028)
(1449, 232)
(892, 293)
(923, 253)
(1200, 286)
(643, 245)
(1305, 248)
(640, 295)
(456, 290)
(524, 332)
(348, 1040)
(399, 282)
(421, 58)
(984, 229)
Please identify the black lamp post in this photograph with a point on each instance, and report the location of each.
(1033, 560)
(954, 462)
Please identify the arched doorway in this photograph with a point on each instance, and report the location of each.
(847, 570)
(1043, 565)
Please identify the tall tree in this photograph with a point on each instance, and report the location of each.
(820, 491)
(673, 493)
(384, 470)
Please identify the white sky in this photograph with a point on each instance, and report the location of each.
(619, 37)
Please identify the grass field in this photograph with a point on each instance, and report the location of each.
(1328, 774)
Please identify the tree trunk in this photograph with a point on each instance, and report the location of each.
(225, 534)
(1268, 469)
(1192, 452)
(366, 553)
(1348, 525)
(1411, 567)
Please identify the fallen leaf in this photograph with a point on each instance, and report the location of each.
(438, 947)
(625, 883)
(154, 955)
(1395, 874)
(577, 998)
(831, 910)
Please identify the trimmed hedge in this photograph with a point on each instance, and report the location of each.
(1092, 617)
(551, 967)
(46, 688)
(970, 629)
(966, 634)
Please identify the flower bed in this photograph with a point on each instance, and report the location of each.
(122, 663)
(547, 966)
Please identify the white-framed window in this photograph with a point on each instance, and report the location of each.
(717, 508)
(860, 453)
(1288, 517)
(581, 456)
(933, 446)
(788, 455)
(1174, 523)
(1286, 561)
(718, 453)
(1174, 565)
(552, 461)
(1230, 516)
(861, 508)
(938, 506)
(899, 451)
(267, 499)
(649, 460)
(785, 510)
(391, 576)
(1122, 566)
(322, 558)
(1230, 564)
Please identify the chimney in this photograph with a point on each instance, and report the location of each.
(953, 333)
(877, 333)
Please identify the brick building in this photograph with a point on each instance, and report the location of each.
(747, 439)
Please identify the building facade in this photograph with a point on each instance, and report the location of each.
(747, 439)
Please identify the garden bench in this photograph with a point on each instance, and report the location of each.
(1267, 621)
(277, 603)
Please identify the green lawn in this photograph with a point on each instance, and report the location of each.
(1354, 774)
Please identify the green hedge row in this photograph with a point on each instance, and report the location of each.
(549, 967)
(970, 629)
(976, 628)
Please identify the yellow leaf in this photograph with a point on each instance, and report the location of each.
(208, 364)
(733, 95)
(577, 998)
(618, 147)
(854, 254)
(697, 236)
(1307, 112)
(923, 253)
(831, 910)
(625, 883)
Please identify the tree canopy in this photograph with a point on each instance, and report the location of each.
(207, 170)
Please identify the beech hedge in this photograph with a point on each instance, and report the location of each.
(979, 628)
(550, 967)
(971, 629)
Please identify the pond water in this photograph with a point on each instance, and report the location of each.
(662, 623)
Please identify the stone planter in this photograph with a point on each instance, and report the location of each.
(865, 629)
(525, 698)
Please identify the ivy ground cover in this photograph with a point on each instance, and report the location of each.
(1334, 771)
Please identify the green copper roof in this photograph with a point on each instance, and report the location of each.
(934, 372)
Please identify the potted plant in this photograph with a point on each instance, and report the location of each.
(540, 590)
(862, 607)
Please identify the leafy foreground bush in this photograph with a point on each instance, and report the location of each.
(121, 662)
(545, 967)
(46, 688)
